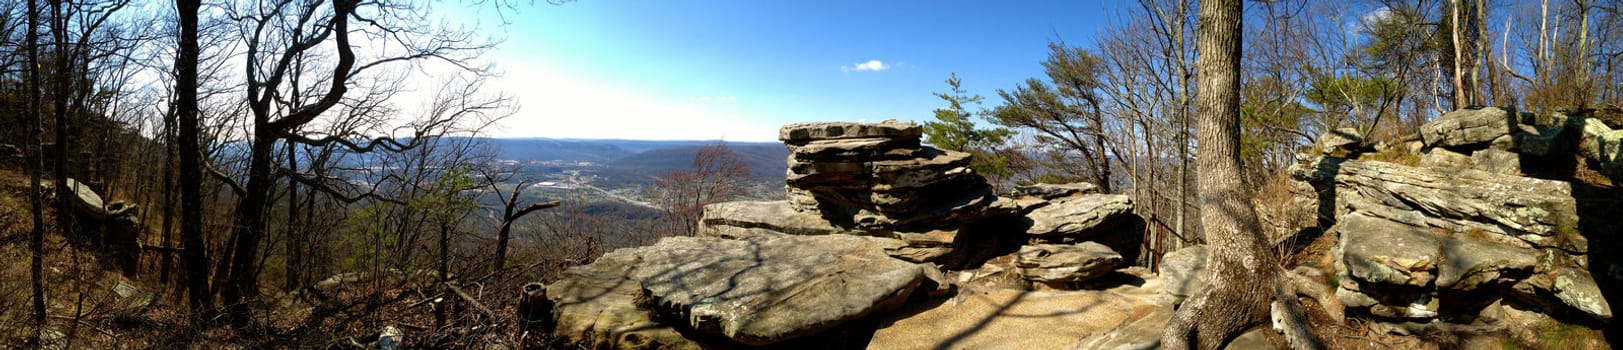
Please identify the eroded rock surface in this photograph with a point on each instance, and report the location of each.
(878, 176)
(756, 291)
(1467, 126)
(1535, 212)
(1015, 319)
(1072, 218)
(1066, 263)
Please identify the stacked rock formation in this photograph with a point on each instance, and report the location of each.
(1450, 239)
(874, 220)
(878, 176)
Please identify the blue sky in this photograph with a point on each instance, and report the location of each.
(738, 70)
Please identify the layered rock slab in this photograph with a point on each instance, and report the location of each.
(1066, 263)
(944, 246)
(757, 290)
(1074, 218)
(878, 176)
(1467, 126)
(1515, 210)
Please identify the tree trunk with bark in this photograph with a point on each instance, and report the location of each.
(195, 256)
(1242, 274)
(36, 243)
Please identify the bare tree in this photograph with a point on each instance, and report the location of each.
(512, 210)
(195, 256)
(717, 175)
(283, 38)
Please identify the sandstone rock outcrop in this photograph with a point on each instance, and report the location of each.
(878, 176)
(1340, 140)
(1448, 240)
(1069, 263)
(1054, 191)
(1180, 273)
(1467, 126)
(1073, 218)
(872, 219)
(756, 291)
(1535, 212)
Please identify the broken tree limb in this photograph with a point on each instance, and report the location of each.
(471, 301)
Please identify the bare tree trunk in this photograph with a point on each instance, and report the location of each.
(195, 255)
(291, 244)
(59, 28)
(1456, 32)
(166, 260)
(1242, 274)
(36, 243)
(445, 270)
(1585, 88)
(241, 282)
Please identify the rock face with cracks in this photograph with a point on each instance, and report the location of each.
(1449, 240)
(886, 243)
(1055, 263)
(755, 291)
(878, 176)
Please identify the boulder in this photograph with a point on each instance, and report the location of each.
(1339, 141)
(1053, 191)
(1444, 158)
(1540, 141)
(758, 290)
(1021, 205)
(1467, 127)
(1473, 262)
(1015, 319)
(1069, 263)
(1496, 161)
(1075, 217)
(1592, 137)
(1182, 273)
(86, 200)
(745, 219)
(1601, 145)
(725, 219)
(597, 306)
(802, 133)
(878, 177)
(929, 166)
(1577, 289)
(1514, 210)
(1384, 252)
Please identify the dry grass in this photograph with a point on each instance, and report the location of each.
(1394, 155)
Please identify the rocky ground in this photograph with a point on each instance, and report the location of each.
(887, 244)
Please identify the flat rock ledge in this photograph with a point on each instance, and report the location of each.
(757, 290)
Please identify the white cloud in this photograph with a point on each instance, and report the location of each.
(1377, 16)
(871, 65)
(559, 103)
(1368, 21)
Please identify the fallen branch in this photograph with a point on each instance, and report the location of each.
(471, 301)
